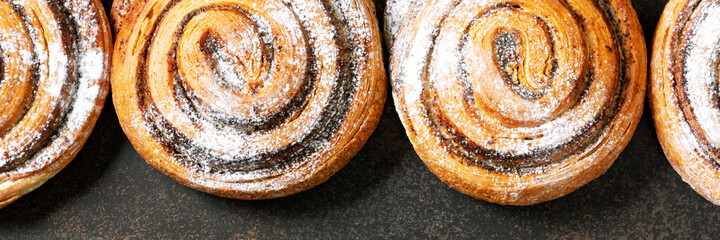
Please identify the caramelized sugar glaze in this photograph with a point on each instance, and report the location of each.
(54, 57)
(517, 102)
(248, 99)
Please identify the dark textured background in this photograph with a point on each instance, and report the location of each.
(108, 191)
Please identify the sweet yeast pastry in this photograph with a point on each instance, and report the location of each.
(54, 57)
(684, 92)
(248, 99)
(517, 102)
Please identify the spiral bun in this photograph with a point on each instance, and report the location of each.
(55, 61)
(684, 92)
(517, 102)
(248, 99)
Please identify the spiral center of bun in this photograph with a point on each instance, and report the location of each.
(517, 79)
(241, 90)
(512, 85)
(239, 67)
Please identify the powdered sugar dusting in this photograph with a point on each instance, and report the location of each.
(701, 72)
(684, 92)
(449, 89)
(57, 67)
(396, 12)
(232, 143)
(319, 53)
(74, 86)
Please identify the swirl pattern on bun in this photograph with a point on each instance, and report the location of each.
(684, 92)
(54, 57)
(248, 99)
(517, 102)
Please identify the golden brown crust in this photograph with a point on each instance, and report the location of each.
(518, 102)
(56, 59)
(248, 99)
(683, 91)
(120, 13)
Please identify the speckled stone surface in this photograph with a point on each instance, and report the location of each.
(108, 191)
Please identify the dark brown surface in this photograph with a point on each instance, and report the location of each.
(385, 192)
